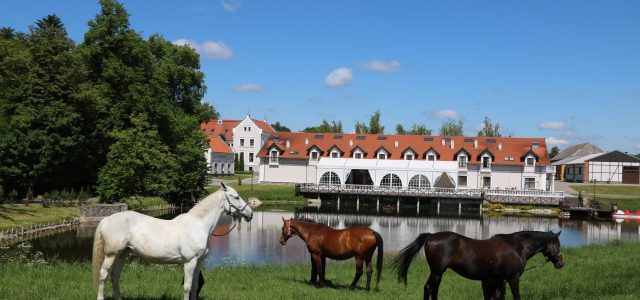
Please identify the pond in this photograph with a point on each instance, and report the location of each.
(257, 242)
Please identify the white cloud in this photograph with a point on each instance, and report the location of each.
(445, 114)
(339, 77)
(208, 49)
(554, 141)
(382, 66)
(230, 6)
(250, 88)
(554, 125)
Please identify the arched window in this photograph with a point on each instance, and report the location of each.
(391, 180)
(419, 181)
(329, 178)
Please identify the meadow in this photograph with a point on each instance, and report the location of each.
(590, 272)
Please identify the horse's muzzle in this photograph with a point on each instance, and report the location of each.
(559, 262)
(248, 218)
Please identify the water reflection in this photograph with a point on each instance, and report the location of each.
(257, 242)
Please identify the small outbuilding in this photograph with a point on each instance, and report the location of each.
(610, 167)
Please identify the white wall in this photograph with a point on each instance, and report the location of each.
(248, 130)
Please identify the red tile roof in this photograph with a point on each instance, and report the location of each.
(218, 145)
(511, 153)
(218, 127)
(225, 127)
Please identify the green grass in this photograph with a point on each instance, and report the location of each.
(19, 215)
(592, 272)
(626, 196)
(275, 193)
(144, 202)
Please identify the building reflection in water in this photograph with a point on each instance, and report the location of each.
(257, 242)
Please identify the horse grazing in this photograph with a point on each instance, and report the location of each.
(323, 241)
(493, 261)
(182, 240)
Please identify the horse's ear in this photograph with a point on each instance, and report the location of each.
(283, 220)
(558, 234)
(224, 186)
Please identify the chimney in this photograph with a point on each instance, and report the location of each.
(306, 141)
(288, 143)
(500, 147)
(443, 142)
(350, 143)
(475, 144)
(395, 144)
(452, 144)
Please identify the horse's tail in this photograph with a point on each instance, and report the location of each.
(402, 262)
(98, 255)
(380, 257)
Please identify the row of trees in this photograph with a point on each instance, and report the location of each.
(448, 128)
(116, 112)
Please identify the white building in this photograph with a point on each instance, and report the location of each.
(610, 167)
(220, 158)
(245, 137)
(406, 161)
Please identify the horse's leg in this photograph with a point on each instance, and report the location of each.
(200, 282)
(359, 262)
(367, 261)
(104, 272)
(432, 285)
(314, 272)
(116, 270)
(189, 268)
(500, 290)
(514, 285)
(195, 285)
(324, 267)
(490, 289)
(317, 261)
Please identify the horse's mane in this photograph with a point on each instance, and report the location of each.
(523, 235)
(202, 208)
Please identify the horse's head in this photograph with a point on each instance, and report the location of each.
(286, 231)
(235, 205)
(552, 251)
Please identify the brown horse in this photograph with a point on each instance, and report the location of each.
(324, 241)
(493, 261)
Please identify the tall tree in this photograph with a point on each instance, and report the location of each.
(374, 124)
(279, 127)
(416, 129)
(554, 151)
(326, 127)
(361, 128)
(207, 112)
(452, 128)
(489, 129)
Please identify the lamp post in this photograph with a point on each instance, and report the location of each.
(594, 189)
(251, 169)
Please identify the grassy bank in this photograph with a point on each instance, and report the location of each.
(626, 196)
(274, 193)
(593, 272)
(19, 215)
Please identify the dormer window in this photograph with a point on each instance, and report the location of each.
(530, 161)
(314, 155)
(273, 156)
(382, 155)
(486, 162)
(357, 155)
(335, 154)
(408, 156)
(431, 157)
(462, 161)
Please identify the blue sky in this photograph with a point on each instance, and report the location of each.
(568, 71)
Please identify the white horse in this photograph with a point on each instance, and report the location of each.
(183, 240)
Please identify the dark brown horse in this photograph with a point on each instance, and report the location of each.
(324, 241)
(501, 258)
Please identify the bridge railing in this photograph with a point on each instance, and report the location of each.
(418, 191)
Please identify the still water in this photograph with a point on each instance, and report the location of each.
(257, 242)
